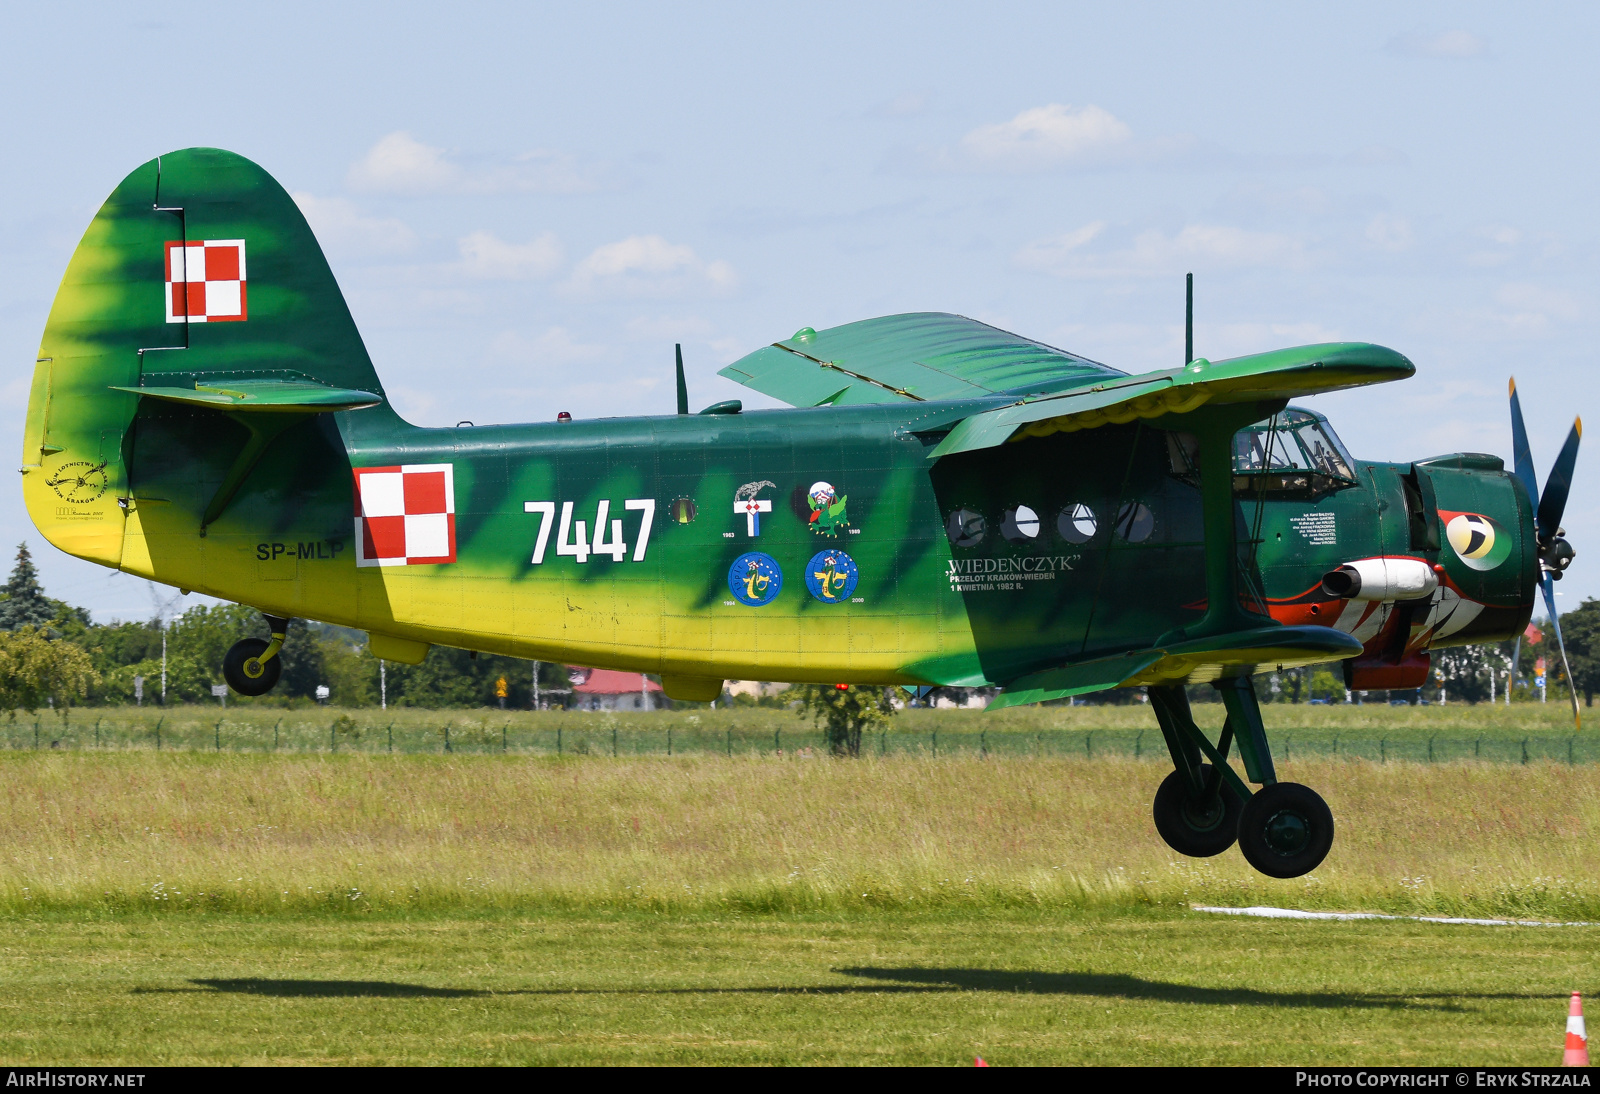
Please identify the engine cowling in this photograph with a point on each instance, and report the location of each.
(1383, 579)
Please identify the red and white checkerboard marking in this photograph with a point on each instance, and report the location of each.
(206, 281)
(405, 516)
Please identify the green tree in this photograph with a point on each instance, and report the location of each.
(844, 711)
(25, 604)
(1580, 628)
(34, 670)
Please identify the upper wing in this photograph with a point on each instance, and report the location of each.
(1280, 374)
(914, 357)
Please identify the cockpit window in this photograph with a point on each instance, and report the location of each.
(1291, 441)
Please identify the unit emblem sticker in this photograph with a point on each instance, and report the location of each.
(1476, 539)
(827, 509)
(755, 579)
(405, 516)
(748, 505)
(206, 281)
(79, 482)
(831, 576)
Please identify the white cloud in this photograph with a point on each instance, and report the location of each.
(667, 328)
(338, 223)
(1154, 254)
(485, 255)
(1387, 233)
(401, 164)
(1456, 44)
(1046, 136)
(556, 346)
(650, 266)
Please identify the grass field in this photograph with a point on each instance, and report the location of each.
(194, 907)
(1523, 732)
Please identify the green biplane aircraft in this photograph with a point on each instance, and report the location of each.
(948, 504)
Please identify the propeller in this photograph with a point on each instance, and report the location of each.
(1555, 553)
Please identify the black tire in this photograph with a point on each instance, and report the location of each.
(247, 675)
(1194, 832)
(1286, 830)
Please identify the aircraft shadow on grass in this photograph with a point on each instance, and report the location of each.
(904, 980)
(1123, 986)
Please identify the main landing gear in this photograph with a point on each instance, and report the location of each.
(252, 666)
(1284, 829)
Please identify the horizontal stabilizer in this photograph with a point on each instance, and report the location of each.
(1197, 661)
(266, 396)
(1280, 374)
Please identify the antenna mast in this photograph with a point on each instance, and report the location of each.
(1188, 320)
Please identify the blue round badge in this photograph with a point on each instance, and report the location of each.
(755, 579)
(831, 576)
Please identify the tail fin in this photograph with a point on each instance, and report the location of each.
(198, 272)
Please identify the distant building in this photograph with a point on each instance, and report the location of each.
(603, 689)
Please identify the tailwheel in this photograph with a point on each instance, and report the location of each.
(252, 666)
(1285, 830)
(1198, 830)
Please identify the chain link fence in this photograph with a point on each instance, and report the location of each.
(346, 734)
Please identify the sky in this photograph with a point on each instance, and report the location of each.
(528, 205)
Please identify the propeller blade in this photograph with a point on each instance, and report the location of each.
(1521, 456)
(1554, 500)
(1555, 623)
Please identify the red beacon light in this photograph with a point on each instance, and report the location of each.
(842, 687)
(563, 417)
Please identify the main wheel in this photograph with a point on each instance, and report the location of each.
(1191, 830)
(1285, 830)
(244, 670)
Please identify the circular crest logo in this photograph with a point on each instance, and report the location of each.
(1477, 540)
(831, 576)
(755, 579)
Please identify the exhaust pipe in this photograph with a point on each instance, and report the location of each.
(1382, 579)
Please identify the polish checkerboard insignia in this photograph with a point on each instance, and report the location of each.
(405, 516)
(206, 281)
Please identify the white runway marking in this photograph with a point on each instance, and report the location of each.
(1292, 913)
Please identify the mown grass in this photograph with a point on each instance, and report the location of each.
(1016, 987)
(108, 833)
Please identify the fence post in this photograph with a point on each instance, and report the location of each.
(1430, 748)
(558, 740)
(447, 747)
(1138, 745)
(217, 736)
(333, 745)
(1477, 749)
(503, 731)
(278, 723)
(1383, 750)
(1286, 741)
(983, 744)
(936, 744)
(1524, 750)
(158, 733)
(730, 742)
(669, 740)
(777, 740)
(36, 733)
(1336, 746)
(883, 742)
(97, 733)
(1088, 746)
(391, 737)
(613, 742)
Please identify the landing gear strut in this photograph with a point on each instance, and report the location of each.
(252, 666)
(1284, 830)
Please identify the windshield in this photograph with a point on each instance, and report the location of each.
(1292, 440)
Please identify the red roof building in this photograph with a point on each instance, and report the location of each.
(605, 689)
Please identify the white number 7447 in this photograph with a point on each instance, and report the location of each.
(579, 546)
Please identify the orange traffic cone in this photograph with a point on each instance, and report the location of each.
(1577, 1054)
(981, 1062)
